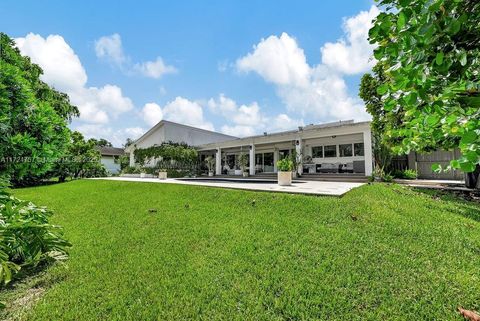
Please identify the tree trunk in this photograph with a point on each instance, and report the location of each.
(472, 180)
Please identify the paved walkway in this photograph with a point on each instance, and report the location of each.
(298, 187)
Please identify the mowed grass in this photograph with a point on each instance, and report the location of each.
(378, 253)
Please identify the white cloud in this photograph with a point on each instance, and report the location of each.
(278, 60)
(152, 114)
(184, 111)
(352, 54)
(110, 49)
(180, 110)
(62, 67)
(247, 120)
(238, 130)
(116, 137)
(63, 70)
(319, 92)
(154, 69)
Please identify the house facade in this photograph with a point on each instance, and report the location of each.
(110, 158)
(167, 131)
(339, 147)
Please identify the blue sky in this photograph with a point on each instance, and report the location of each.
(240, 67)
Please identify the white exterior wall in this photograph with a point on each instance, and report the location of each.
(110, 164)
(167, 131)
(191, 136)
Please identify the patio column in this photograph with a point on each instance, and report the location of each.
(132, 157)
(298, 149)
(218, 162)
(275, 159)
(252, 160)
(367, 144)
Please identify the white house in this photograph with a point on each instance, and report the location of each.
(167, 131)
(110, 158)
(339, 147)
(343, 146)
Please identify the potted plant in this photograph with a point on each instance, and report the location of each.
(285, 167)
(210, 161)
(243, 159)
(162, 173)
(296, 159)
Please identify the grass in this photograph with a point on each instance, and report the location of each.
(378, 253)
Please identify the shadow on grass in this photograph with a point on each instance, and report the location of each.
(466, 204)
(26, 289)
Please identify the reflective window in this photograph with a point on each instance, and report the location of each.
(345, 150)
(317, 152)
(330, 151)
(358, 149)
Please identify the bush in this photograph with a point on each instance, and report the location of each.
(406, 174)
(26, 237)
(285, 165)
(131, 170)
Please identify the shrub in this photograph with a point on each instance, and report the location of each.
(285, 165)
(26, 237)
(410, 174)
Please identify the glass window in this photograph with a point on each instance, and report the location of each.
(358, 149)
(259, 159)
(317, 152)
(330, 151)
(283, 153)
(268, 162)
(345, 150)
(231, 161)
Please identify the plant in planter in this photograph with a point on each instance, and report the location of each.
(162, 173)
(243, 160)
(296, 159)
(285, 167)
(210, 161)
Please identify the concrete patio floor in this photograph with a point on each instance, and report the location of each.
(298, 187)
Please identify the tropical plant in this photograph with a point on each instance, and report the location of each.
(33, 118)
(430, 96)
(285, 165)
(167, 151)
(26, 237)
(243, 159)
(210, 162)
(80, 160)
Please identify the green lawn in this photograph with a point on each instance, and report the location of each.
(378, 253)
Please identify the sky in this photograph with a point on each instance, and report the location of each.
(236, 67)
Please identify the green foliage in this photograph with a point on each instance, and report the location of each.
(102, 142)
(124, 161)
(285, 165)
(80, 160)
(132, 170)
(406, 174)
(210, 162)
(168, 151)
(33, 118)
(243, 159)
(26, 237)
(429, 62)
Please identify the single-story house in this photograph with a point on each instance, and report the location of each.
(110, 158)
(339, 147)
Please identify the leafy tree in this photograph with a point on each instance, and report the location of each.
(429, 59)
(80, 160)
(102, 142)
(128, 142)
(33, 118)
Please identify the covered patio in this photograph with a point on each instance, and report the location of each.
(337, 148)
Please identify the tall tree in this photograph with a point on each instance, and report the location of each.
(33, 118)
(428, 51)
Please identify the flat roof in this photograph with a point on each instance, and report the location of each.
(301, 129)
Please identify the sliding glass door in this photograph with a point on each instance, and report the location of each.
(264, 162)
